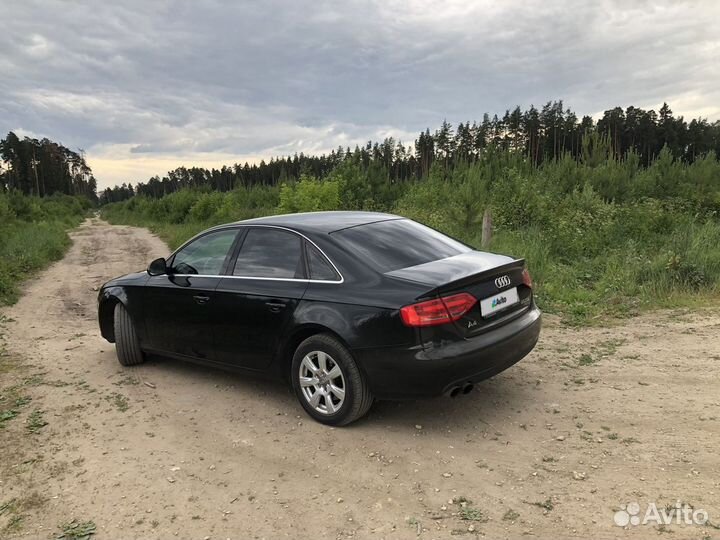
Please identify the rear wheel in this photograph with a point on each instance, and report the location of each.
(328, 383)
(127, 344)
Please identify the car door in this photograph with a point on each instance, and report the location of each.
(258, 297)
(180, 306)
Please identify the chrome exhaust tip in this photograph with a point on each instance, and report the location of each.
(455, 392)
(468, 388)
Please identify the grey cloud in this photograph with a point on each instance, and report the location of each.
(272, 77)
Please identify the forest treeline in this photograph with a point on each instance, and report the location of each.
(601, 235)
(538, 135)
(44, 167)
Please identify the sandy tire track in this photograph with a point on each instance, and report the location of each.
(205, 453)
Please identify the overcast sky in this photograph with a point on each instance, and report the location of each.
(147, 86)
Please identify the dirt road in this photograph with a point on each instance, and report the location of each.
(593, 419)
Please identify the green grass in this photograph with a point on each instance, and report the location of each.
(7, 506)
(469, 513)
(16, 510)
(36, 421)
(33, 233)
(120, 402)
(76, 530)
(16, 403)
(546, 505)
(8, 414)
(586, 359)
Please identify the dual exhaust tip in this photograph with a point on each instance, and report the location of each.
(464, 389)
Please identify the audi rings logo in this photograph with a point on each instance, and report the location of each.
(502, 281)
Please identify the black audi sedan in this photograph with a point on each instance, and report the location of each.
(349, 306)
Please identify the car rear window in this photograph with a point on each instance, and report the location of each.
(398, 243)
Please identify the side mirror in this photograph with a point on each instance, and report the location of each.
(158, 267)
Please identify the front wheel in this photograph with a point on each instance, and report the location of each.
(127, 344)
(328, 383)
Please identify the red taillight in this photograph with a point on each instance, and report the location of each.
(527, 280)
(440, 311)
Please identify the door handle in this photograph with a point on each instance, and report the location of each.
(201, 299)
(275, 306)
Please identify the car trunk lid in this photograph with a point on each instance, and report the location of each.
(486, 276)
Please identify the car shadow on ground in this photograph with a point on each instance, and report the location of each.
(249, 383)
(491, 402)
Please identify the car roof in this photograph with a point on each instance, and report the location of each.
(321, 222)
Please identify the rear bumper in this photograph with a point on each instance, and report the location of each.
(416, 372)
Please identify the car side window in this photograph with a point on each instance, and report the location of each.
(320, 267)
(205, 255)
(270, 253)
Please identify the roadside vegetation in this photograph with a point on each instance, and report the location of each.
(602, 235)
(613, 216)
(45, 189)
(33, 233)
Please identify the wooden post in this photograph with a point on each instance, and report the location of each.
(486, 229)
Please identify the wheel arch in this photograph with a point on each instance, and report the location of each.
(106, 311)
(284, 355)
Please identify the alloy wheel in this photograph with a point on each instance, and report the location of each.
(322, 382)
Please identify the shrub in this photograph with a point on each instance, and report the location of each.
(206, 206)
(309, 195)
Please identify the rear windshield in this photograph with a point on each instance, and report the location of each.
(398, 243)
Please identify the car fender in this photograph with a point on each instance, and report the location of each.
(107, 299)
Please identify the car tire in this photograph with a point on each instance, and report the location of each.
(316, 388)
(127, 344)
